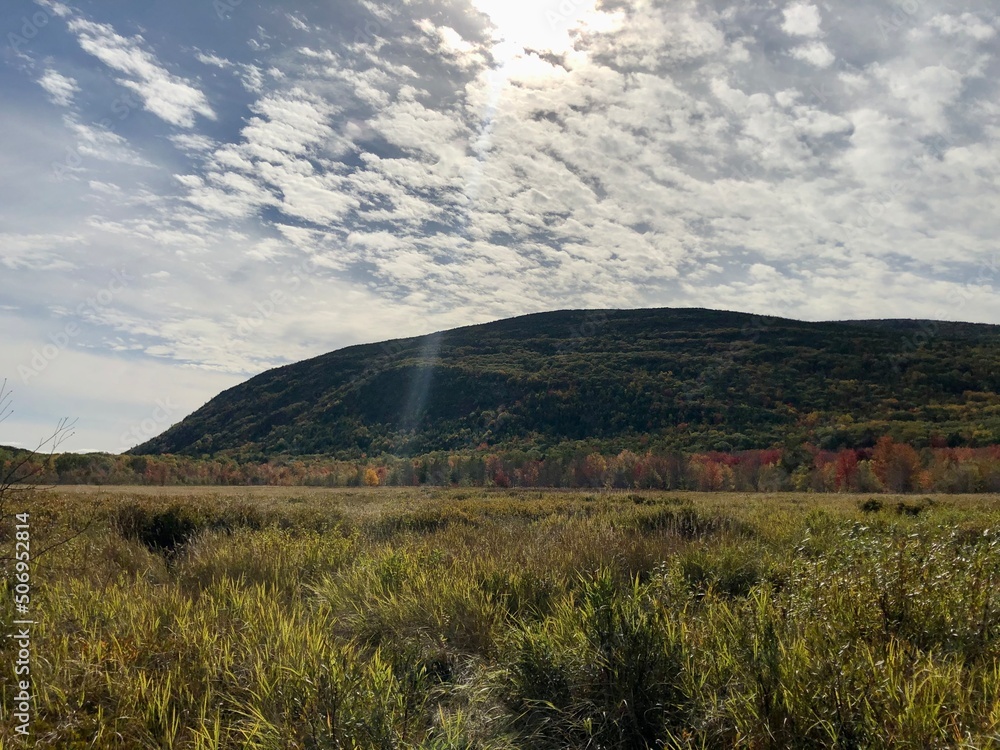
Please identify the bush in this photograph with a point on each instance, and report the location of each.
(904, 508)
(871, 505)
(728, 571)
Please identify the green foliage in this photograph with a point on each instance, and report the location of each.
(871, 505)
(686, 522)
(669, 379)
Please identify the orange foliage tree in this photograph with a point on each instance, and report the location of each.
(897, 465)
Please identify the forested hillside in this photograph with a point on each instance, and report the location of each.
(660, 379)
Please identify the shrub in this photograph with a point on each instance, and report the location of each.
(728, 571)
(904, 508)
(686, 522)
(871, 505)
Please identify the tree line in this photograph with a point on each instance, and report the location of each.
(888, 466)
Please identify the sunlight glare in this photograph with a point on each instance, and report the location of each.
(541, 25)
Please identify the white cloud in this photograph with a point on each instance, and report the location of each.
(60, 88)
(273, 165)
(649, 34)
(446, 41)
(814, 53)
(100, 143)
(802, 19)
(192, 142)
(252, 78)
(924, 94)
(966, 24)
(214, 60)
(169, 97)
(36, 252)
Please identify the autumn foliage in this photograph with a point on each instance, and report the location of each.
(889, 466)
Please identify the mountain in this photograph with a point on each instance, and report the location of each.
(689, 379)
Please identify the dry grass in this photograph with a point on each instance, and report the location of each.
(391, 618)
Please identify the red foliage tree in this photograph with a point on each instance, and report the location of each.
(847, 470)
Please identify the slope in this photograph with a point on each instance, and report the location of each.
(688, 379)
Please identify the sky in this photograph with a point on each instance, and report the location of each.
(194, 192)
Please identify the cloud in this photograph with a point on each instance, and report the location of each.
(925, 94)
(169, 97)
(36, 252)
(213, 60)
(192, 142)
(814, 53)
(60, 88)
(444, 40)
(100, 143)
(802, 19)
(966, 24)
(274, 164)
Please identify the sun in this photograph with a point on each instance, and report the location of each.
(541, 25)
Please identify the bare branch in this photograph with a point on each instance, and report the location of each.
(6, 408)
(15, 478)
(65, 429)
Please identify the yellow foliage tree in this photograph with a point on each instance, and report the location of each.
(371, 478)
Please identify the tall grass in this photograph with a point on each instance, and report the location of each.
(475, 619)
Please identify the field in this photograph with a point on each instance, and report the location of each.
(399, 618)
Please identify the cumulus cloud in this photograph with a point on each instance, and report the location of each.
(966, 24)
(815, 53)
(802, 19)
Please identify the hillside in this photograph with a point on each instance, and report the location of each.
(687, 379)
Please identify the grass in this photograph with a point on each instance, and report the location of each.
(447, 619)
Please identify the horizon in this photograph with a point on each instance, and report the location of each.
(203, 192)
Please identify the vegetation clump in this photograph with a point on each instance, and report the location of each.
(871, 505)
(165, 529)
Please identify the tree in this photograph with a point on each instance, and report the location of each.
(847, 470)
(712, 475)
(866, 478)
(371, 477)
(897, 465)
(594, 469)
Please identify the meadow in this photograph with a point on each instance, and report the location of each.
(470, 618)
